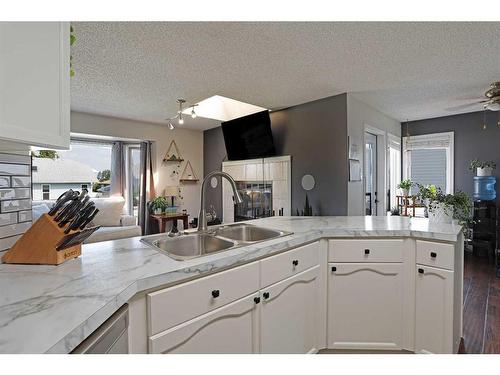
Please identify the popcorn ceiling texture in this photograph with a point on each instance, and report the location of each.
(406, 70)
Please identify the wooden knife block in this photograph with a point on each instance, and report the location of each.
(38, 245)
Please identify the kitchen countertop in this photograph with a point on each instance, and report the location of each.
(53, 308)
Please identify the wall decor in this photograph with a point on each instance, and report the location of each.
(354, 170)
(173, 153)
(354, 150)
(188, 174)
(308, 182)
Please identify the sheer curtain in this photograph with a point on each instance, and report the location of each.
(117, 170)
(147, 187)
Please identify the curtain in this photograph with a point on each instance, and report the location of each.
(147, 187)
(117, 170)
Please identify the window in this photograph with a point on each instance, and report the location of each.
(87, 164)
(428, 160)
(45, 192)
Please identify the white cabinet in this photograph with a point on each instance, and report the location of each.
(434, 310)
(290, 314)
(365, 306)
(34, 83)
(230, 329)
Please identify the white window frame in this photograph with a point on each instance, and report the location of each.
(444, 140)
(393, 142)
(50, 188)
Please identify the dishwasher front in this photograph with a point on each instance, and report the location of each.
(110, 338)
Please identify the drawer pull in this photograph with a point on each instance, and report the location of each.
(334, 269)
(420, 270)
(295, 263)
(265, 295)
(215, 293)
(433, 254)
(367, 251)
(256, 300)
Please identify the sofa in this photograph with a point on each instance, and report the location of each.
(114, 223)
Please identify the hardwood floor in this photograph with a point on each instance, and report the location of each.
(481, 323)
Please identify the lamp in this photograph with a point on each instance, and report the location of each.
(172, 191)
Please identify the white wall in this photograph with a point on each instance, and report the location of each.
(360, 116)
(190, 143)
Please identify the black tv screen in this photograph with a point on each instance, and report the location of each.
(249, 137)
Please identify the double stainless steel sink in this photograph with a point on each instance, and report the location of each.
(197, 244)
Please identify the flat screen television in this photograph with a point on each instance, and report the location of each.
(249, 137)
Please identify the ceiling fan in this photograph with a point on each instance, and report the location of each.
(490, 101)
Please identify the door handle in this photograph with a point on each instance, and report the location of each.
(433, 254)
(266, 295)
(215, 293)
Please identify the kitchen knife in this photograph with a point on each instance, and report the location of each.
(64, 210)
(75, 238)
(71, 213)
(63, 198)
(89, 219)
(80, 218)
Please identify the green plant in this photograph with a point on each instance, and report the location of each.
(405, 184)
(159, 203)
(72, 40)
(46, 154)
(458, 205)
(426, 192)
(475, 164)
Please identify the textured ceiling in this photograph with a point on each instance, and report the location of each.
(406, 70)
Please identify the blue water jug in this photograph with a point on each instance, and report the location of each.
(484, 188)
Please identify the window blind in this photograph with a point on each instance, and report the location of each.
(428, 167)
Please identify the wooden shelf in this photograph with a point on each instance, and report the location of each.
(174, 159)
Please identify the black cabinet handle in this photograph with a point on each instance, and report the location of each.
(215, 293)
(295, 262)
(256, 300)
(265, 295)
(367, 251)
(420, 270)
(334, 269)
(433, 254)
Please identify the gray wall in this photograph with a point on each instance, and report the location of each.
(315, 135)
(471, 142)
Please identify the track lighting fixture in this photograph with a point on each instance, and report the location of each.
(179, 115)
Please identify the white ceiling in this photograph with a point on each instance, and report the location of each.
(406, 70)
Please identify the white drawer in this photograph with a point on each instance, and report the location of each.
(281, 266)
(435, 254)
(177, 304)
(369, 250)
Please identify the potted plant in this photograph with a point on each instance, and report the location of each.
(405, 187)
(482, 168)
(446, 208)
(159, 205)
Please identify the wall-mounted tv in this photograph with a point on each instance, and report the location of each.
(249, 137)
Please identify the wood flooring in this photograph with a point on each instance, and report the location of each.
(481, 321)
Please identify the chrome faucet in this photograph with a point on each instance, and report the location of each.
(202, 217)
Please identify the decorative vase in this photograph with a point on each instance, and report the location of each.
(440, 214)
(406, 192)
(157, 211)
(482, 172)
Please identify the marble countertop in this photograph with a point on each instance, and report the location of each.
(54, 308)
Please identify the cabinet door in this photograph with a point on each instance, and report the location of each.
(230, 329)
(290, 314)
(434, 310)
(365, 306)
(34, 81)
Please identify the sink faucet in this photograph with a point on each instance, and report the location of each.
(202, 217)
